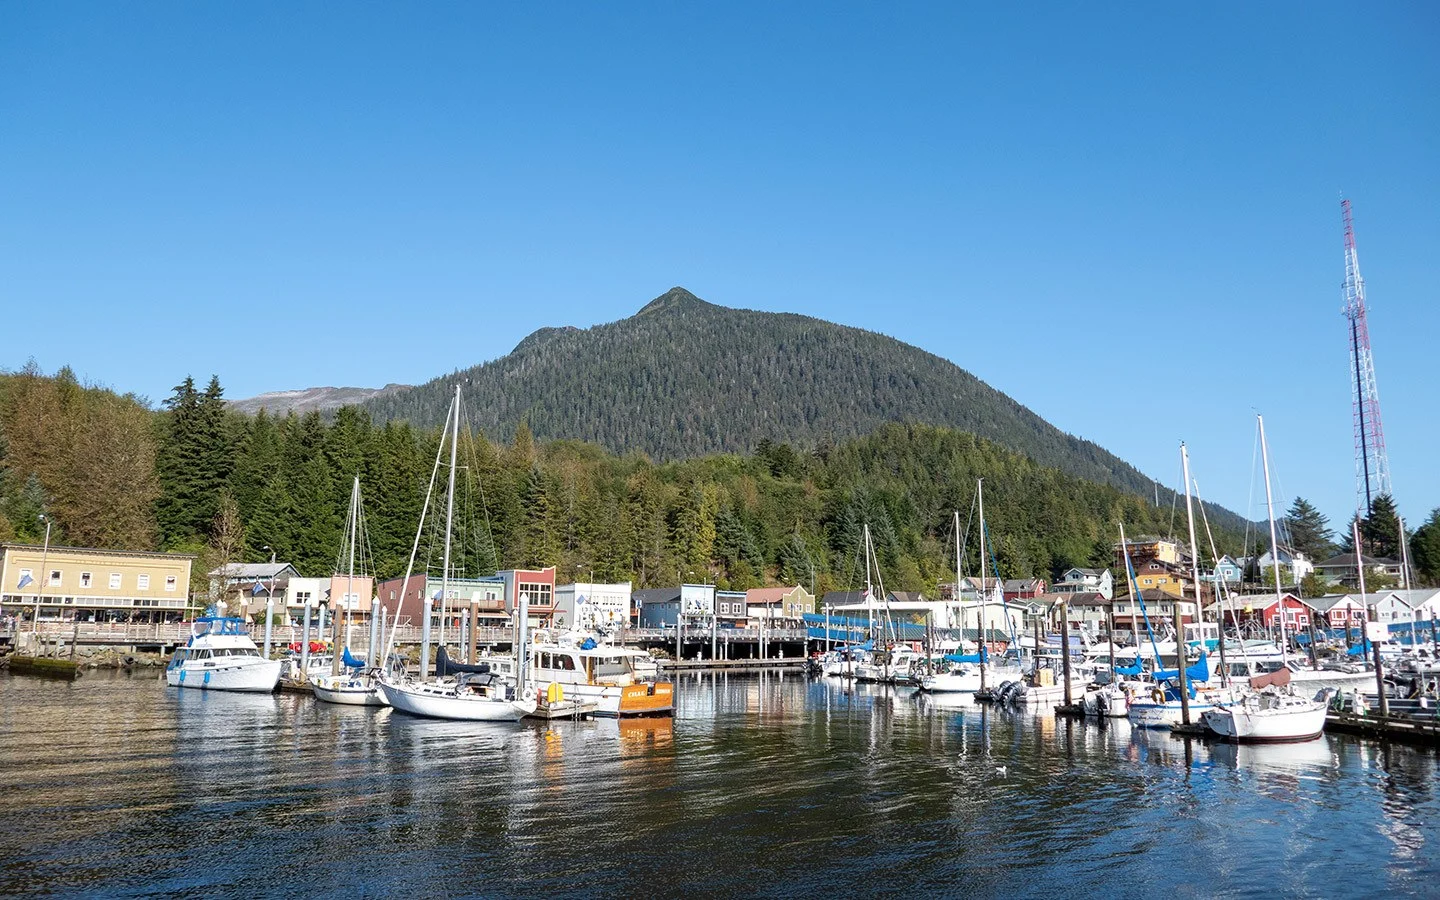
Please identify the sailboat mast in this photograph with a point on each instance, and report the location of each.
(1274, 545)
(959, 609)
(449, 518)
(869, 587)
(980, 632)
(354, 533)
(1182, 657)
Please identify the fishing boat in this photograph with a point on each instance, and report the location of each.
(592, 672)
(471, 696)
(220, 656)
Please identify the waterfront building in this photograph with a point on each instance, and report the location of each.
(1405, 605)
(778, 605)
(1341, 569)
(659, 607)
(592, 606)
(485, 595)
(1022, 588)
(730, 609)
(1338, 610)
(538, 586)
(1144, 549)
(1264, 610)
(1076, 580)
(1156, 574)
(334, 592)
(1162, 607)
(1226, 570)
(81, 584)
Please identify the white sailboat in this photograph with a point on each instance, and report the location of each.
(343, 683)
(471, 696)
(1271, 710)
(960, 675)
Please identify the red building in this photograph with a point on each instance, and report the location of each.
(538, 586)
(1023, 588)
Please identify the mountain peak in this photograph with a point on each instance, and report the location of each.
(677, 299)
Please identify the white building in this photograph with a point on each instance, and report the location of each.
(592, 606)
(1085, 581)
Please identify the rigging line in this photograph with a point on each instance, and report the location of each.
(1250, 501)
(1222, 588)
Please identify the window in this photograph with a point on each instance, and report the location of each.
(302, 598)
(84, 579)
(54, 578)
(142, 582)
(537, 594)
(170, 582)
(114, 581)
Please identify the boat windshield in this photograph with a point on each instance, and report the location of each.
(607, 666)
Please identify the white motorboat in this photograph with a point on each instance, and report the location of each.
(1109, 701)
(888, 666)
(591, 672)
(220, 656)
(961, 678)
(468, 698)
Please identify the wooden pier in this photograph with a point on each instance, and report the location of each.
(1390, 728)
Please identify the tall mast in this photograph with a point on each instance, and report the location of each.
(449, 518)
(1372, 465)
(1183, 658)
(1274, 545)
(350, 579)
(984, 607)
(959, 609)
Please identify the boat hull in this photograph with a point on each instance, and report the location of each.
(354, 691)
(1149, 714)
(244, 674)
(951, 683)
(437, 702)
(1244, 725)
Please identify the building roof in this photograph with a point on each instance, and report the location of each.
(842, 598)
(1087, 598)
(769, 595)
(1092, 573)
(907, 596)
(647, 596)
(56, 548)
(1347, 561)
(251, 571)
(1020, 584)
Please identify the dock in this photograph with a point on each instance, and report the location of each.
(1409, 729)
(731, 665)
(565, 709)
(44, 666)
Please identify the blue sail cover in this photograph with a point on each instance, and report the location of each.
(1198, 672)
(350, 661)
(982, 656)
(1129, 671)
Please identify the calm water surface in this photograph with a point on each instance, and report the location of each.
(774, 785)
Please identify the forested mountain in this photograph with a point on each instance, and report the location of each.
(684, 377)
(197, 476)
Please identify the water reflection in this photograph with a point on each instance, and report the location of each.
(769, 784)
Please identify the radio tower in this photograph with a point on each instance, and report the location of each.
(1372, 467)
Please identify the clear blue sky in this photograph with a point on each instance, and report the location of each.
(1126, 217)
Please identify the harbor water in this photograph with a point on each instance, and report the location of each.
(770, 785)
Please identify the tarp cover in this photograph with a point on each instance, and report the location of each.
(1198, 672)
(1279, 678)
(444, 665)
(351, 661)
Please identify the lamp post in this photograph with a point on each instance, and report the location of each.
(44, 576)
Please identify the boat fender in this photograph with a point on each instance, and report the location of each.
(554, 693)
(1157, 695)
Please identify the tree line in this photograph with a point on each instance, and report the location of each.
(195, 476)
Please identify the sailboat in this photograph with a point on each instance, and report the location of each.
(347, 682)
(479, 695)
(1271, 710)
(961, 671)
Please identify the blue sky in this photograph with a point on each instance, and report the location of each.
(1127, 219)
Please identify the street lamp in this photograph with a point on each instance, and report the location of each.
(44, 575)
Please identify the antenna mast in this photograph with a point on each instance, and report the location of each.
(1372, 466)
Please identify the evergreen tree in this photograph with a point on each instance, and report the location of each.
(541, 547)
(1310, 531)
(1381, 529)
(1425, 549)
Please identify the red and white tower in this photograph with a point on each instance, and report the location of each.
(1372, 467)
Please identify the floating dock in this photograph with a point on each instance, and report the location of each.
(1409, 729)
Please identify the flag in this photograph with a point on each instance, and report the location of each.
(255, 591)
(24, 580)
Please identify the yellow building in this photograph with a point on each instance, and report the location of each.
(86, 585)
(1156, 575)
